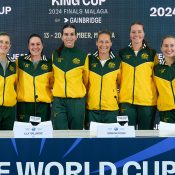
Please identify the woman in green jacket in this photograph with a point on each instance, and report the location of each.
(138, 96)
(8, 79)
(35, 79)
(104, 77)
(70, 66)
(164, 75)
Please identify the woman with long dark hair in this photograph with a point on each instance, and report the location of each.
(70, 66)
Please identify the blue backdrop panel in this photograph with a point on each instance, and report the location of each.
(46, 17)
(119, 152)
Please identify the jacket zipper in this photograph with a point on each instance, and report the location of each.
(133, 86)
(4, 90)
(65, 85)
(101, 91)
(4, 86)
(34, 89)
(172, 84)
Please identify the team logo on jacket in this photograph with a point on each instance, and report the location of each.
(94, 65)
(165, 119)
(11, 68)
(44, 67)
(60, 60)
(127, 56)
(26, 65)
(162, 71)
(144, 56)
(76, 61)
(111, 65)
(123, 110)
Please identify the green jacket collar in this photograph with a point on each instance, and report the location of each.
(111, 54)
(28, 57)
(143, 46)
(69, 49)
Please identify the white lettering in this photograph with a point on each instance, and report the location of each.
(5, 10)
(76, 166)
(156, 168)
(30, 167)
(145, 168)
(109, 164)
(86, 168)
(57, 164)
(131, 163)
(84, 35)
(66, 2)
(3, 171)
(166, 167)
(90, 20)
(93, 2)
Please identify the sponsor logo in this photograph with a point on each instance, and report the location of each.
(82, 20)
(33, 129)
(115, 129)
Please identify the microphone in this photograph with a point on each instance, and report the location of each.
(36, 96)
(33, 119)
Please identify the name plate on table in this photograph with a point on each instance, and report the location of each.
(27, 130)
(115, 130)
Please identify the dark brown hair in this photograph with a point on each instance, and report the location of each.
(62, 31)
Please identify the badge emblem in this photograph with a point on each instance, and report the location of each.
(60, 60)
(111, 65)
(162, 71)
(76, 61)
(94, 65)
(26, 65)
(127, 56)
(11, 68)
(144, 56)
(44, 67)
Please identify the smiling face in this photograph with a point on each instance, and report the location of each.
(4, 44)
(168, 48)
(104, 44)
(35, 46)
(69, 37)
(137, 34)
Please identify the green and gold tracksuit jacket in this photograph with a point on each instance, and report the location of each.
(34, 83)
(164, 77)
(102, 86)
(70, 73)
(8, 84)
(137, 84)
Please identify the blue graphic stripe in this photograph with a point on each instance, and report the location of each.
(159, 148)
(42, 145)
(77, 141)
(14, 145)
